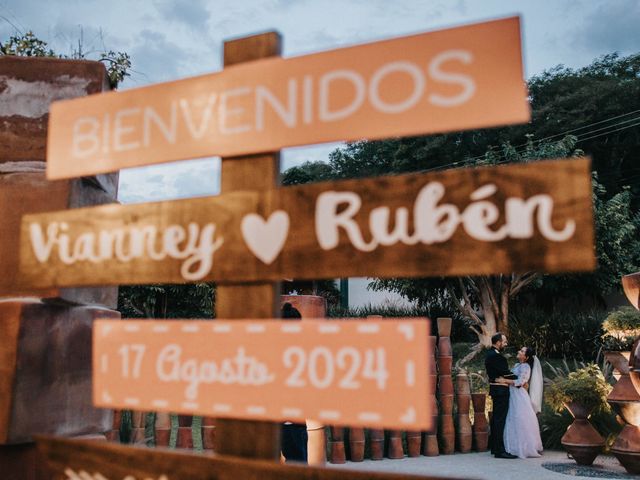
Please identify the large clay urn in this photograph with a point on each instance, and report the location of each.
(582, 441)
(309, 306)
(631, 287)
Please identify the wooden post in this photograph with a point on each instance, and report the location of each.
(260, 300)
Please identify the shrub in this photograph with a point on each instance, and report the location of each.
(557, 334)
(586, 385)
(622, 322)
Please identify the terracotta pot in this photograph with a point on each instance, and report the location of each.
(444, 347)
(356, 444)
(628, 411)
(430, 446)
(377, 444)
(185, 438)
(337, 445)
(444, 326)
(464, 433)
(316, 443)
(444, 365)
(446, 425)
(414, 443)
(631, 287)
(137, 419)
(627, 449)
(463, 387)
(113, 436)
(445, 385)
(117, 419)
(337, 452)
(582, 441)
(480, 441)
(395, 445)
(433, 368)
(634, 365)
(208, 436)
(479, 402)
(163, 420)
(463, 402)
(309, 306)
(162, 437)
(446, 404)
(208, 421)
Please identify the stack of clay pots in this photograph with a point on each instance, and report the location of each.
(162, 429)
(356, 444)
(336, 445)
(445, 387)
(376, 444)
(463, 402)
(480, 424)
(625, 401)
(113, 435)
(395, 445)
(208, 433)
(430, 440)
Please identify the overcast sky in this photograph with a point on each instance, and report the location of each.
(172, 39)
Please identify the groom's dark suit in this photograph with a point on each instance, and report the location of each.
(497, 366)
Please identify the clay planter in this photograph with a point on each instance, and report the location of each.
(444, 347)
(444, 326)
(356, 444)
(480, 427)
(430, 445)
(444, 365)
(463, 387)
(447, 435)
(377, 444)
(414, 442)
(631, 287)
(582, 441)
(446, 404)
(208, 437)
(309, 306)
(395, 445)
(463, 403)
(113, 436)
(634, 365)
(185, 420)
(185, 438)
(433, 369)
(464, 434)
(445, 385)
(337, 446)
(162, 437)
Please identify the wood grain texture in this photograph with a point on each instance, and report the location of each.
(115, 462)
(566, 182)
(243, 438)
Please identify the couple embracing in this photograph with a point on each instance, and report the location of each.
(517, 397)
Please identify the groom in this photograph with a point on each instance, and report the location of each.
(497, 366)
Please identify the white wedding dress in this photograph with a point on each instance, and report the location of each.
(521, 430)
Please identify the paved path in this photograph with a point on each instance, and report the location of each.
(483, 466)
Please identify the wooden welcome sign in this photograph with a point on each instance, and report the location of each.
(83, 460)
(490, 220)
(268, 370)
(455, 79)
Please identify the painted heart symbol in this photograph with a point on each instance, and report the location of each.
(265, 239)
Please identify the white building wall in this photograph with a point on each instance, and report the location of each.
(359, 296)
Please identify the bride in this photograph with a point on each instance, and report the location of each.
(521, 431)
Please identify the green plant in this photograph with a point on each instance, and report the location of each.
(617, 344)
(557, 334)
(479, 382)
(586, 385)
(623, 322)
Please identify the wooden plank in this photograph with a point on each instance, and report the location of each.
(461, 78)
(84, 460)
(358, 373)
(260, 300)
(543, 222)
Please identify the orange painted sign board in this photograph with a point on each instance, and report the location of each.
(461, 78)
(355, 372)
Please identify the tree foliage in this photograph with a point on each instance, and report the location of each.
(118, 64)
(593, 110)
